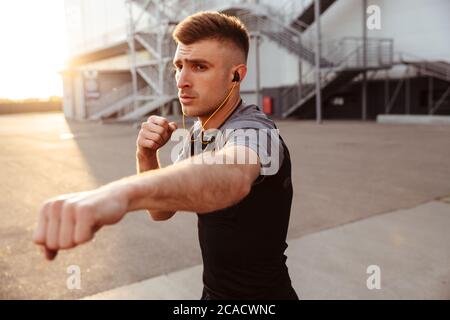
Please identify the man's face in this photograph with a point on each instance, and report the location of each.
(204, 73)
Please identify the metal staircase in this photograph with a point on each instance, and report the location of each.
(114, 101)
(150, 28)
(281, 34)
(157, 41)
(160, 17)
(346, 56)
(155, 36)
(300, 13)
(434, 70)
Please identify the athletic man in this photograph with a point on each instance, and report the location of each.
(243, 207)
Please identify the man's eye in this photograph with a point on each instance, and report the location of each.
(175, 69)
(199, 67)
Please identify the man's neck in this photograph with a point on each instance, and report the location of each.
(219, 118)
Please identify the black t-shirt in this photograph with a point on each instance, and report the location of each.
(243, 245)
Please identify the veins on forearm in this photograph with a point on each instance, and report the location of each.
(191, 187)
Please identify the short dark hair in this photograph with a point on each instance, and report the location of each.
(212, 25)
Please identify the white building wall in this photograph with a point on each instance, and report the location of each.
(79, 98)
(121, 62)
(277, 66)
(68, 96)
(418, 27)
(94, 24)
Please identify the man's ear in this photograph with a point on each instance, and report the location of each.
(241, 69)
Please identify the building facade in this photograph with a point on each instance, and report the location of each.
(375, 57)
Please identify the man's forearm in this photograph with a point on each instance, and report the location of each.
(189, 187)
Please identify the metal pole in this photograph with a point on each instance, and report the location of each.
(257, 61)
(317, 63)
(160, 39)
(300, 72)
(364, 80)
(132, 53)
(300, 79)
(159, 44)
(430, 95)
(386, 91)
(407, 94)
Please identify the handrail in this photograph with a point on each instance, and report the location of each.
(290, 9)
(287, 35)
(145, 7)
(109, 98)
(119, 104)
(329, 70)
(437, 69)
(342, 60)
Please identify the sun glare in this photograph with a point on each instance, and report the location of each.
(33, 48)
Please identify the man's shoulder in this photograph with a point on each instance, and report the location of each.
(249, 116)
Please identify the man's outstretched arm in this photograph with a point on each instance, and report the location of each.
(70, 220)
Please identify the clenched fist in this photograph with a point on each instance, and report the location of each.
(154, 133)
(70, 220)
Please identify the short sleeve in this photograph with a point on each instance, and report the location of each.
(264, 141)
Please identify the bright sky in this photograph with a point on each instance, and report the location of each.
(32, 48)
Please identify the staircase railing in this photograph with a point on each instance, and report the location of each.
(288, 37)
(292, 97)
(437, 69)
(117, 103)
(345, 54)
(336, 54)
(106, 100)
(290, 9)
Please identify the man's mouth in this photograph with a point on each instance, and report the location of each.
(185, 99)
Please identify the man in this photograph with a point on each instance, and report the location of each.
(243, 214)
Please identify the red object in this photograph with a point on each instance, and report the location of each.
(267, 105)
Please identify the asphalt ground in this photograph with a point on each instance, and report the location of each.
(343, 171)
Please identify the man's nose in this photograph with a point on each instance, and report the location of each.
(183, 80)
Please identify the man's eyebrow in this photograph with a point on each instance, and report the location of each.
(192, 61)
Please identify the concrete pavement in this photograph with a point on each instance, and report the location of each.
(410, 247)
